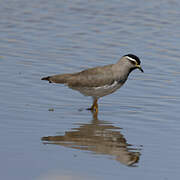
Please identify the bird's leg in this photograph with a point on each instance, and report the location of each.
(95, 116)
(94, 107)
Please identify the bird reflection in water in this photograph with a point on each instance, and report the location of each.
(99, 137)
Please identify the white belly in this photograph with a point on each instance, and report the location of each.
(98, 92)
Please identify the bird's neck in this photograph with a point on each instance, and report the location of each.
(121, 71)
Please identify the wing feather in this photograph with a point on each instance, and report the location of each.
(93, 77)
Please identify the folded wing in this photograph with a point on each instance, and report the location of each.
(93, 77)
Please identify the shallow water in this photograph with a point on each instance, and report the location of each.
(45, 131)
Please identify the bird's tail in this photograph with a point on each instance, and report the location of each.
(47, 79)
(59, 78)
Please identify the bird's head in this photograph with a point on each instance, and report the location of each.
(133, 62)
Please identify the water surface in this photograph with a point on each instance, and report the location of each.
(45, 131)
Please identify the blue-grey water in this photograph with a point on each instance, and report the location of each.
(45, 131)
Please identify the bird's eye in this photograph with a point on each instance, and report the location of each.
(133, 62)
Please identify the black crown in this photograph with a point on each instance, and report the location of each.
(134, 57)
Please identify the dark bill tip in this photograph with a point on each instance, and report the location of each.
(140, 69)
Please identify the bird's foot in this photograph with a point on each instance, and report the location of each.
(90, 109)
(93, 109)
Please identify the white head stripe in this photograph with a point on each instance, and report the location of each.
(131, 59)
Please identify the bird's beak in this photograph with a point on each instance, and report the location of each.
(139, 67)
